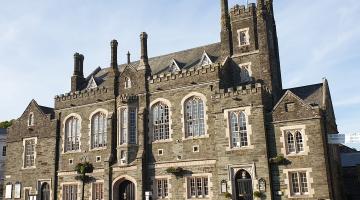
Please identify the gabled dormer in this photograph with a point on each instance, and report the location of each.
(92, 83)
(205, 60)
(174, 66)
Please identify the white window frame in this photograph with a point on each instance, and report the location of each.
(228, 132)
(65, 151)
(184, 117)
(284, 140)
(120, 126)
(289, 190)
(92, 192)
(24, 153)
(247, 35)
(105, 129)
(165, 194)
(197, 177)
(78, 189)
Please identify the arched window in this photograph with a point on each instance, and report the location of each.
(299, 142)
(290, 143)
(72, 134)
(295, 142)
(239, 137)
(127, 126)
(194, 117)
(98, 130)
(45, 191)
(160, 121)
(127, 82)
(31, 119)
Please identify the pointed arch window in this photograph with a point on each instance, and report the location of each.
(238, 125)
(295, 142)
(127, 83)
(194, 117)
(98, 130)
(127, 126)
(72, 134)
(160, 122)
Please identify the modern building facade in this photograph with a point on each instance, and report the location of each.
(212, 122)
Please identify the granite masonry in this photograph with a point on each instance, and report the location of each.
(212, 122)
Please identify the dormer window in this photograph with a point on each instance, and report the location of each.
(92, 83)
(127, 83)
(205, 60)
(31, 119)
(174, 67)
(243, 36)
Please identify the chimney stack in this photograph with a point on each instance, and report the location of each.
(226, 35)
(78, 76)
(144, 52)
(128, 57)
(114, 63)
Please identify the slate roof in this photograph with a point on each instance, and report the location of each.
(311, 94)
(350, 159)
(185, 59)
(46, 110)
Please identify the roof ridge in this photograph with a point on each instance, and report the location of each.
(304, 86)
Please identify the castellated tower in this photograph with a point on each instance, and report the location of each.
(211, 122)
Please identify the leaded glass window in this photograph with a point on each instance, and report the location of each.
(160, 122)
(238, 127)
(98, 130)
(194, 117)
(72, 134)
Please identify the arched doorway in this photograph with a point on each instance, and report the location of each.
(45, 191)
(243, 186)
(124, 189)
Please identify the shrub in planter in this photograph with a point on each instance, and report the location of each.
(279, 160)
(228, 195)
(259, 194)
(178, 171)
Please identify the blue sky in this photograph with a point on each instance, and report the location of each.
(38, 38)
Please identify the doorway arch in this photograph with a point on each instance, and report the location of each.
(45, 191)
(243, 185)
(124, 188)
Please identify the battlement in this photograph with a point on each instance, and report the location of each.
(251, 88)
(168, 76)
(80, 94)
(243, 11)
(128, 98)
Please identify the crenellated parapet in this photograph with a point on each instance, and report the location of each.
(172, 76)
(242, 90)
(127, 98)
(243, 11)
(80, 94)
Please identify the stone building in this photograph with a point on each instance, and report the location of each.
(2, 159)
(212, 122)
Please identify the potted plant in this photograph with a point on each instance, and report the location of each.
(258, 195)
(178, 171)
(227, 195)
(82, 169)
(279, 160)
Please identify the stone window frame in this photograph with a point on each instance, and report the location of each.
(160, 152)
(247, 32)
(64, 133)
(154, 186)
(78, 192)
(119, 109)
(203, 175)
(127, 83)
(168, 103)
(310, 181)
(122, 178)
(23, 154)
(206, 127)
(92, 188)
(249, 69)
(108, 125)
(40, 182)
(31, 119)
(283, 140)
(247, 111)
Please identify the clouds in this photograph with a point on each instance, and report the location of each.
(38, 38)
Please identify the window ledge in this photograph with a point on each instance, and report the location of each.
(72, 152)
(297, 154)
(162, 141)
(240, 148)
(195, 138)
(98, 149)
(299, 196)
(25, 168)
(127, 145)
